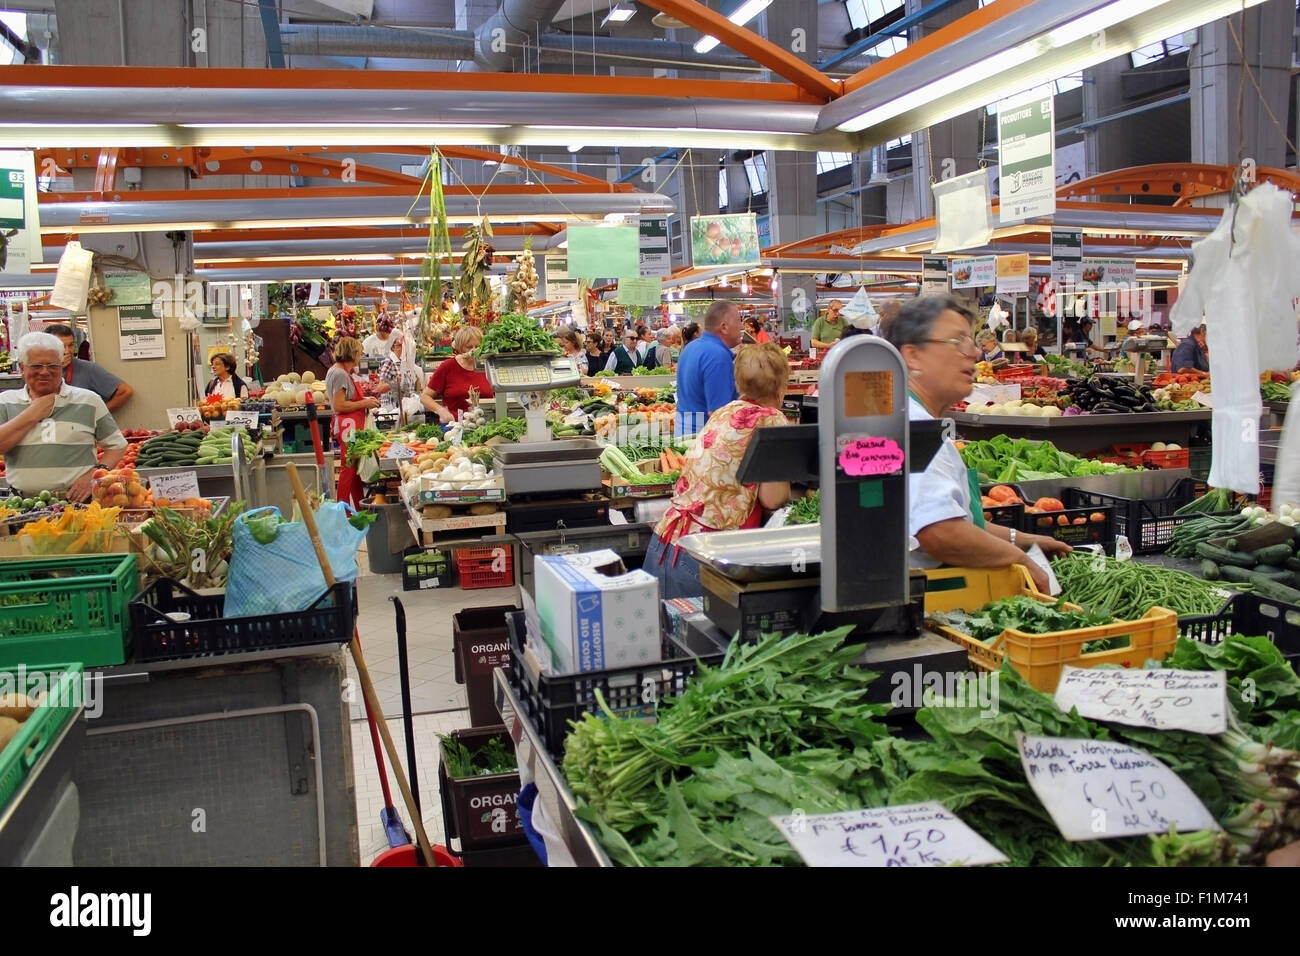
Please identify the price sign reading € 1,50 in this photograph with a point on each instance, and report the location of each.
(1195, 701)
(918, 834)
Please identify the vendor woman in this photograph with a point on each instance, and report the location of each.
(708, 496)
(447, 393)
(225, 383)
(933, 334)
(350, 405)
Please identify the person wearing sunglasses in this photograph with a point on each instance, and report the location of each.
(50, 429)
(933, 335)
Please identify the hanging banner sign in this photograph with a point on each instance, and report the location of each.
(724, 240)
(19, 212)
(973, 272)
(640, 291)
(961, 211)
(1013, 273)
(1067, 255)
(559, 287)
(934, 274)
(1026, 157)
(656, 257)
(603, 251)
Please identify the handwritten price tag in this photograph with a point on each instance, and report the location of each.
(871, 456)
(1196, 701)
(1097, 790)
(399, 452)
(175, 485)
(247, 419)
(175, 415)
(918, 834)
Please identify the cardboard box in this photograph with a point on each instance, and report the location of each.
(591, 614)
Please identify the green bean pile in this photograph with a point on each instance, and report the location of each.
(1128, 590)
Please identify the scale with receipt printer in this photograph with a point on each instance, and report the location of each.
(853, 568)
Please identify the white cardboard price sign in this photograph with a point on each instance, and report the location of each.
(175, 415)
(918, 834)
(1098, 789)
(399, 452)
(1196, 701)
(247, 419)
(175, 485)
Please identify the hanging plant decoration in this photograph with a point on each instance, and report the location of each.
(473, 290)
(439, 248)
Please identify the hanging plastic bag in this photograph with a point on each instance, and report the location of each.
(273, 566)
(72, 281)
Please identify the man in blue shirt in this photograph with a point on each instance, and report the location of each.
(706, 378)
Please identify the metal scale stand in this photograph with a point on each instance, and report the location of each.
(854, 567)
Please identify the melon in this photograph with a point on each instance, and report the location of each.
(309, 377)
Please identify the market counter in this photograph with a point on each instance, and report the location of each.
(1085, 433)
(239, 760)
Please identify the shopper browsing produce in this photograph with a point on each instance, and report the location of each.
(225, 383)
(447, 393)
(1192, 353)
(708, 496)
(706, 378)
(987, 340)
(49, 430)
(625, 357)
(350, 405)
(933, 335)
(827, 329)
(82, 374)
(690, 332)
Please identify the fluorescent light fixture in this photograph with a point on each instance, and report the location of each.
(205, 225)
(739, 16)
(620, 12)
(1120, 25)
(575, 149)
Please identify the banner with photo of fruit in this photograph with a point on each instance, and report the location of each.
(724, 240)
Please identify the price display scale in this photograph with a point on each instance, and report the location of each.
(853, 567)
(530, 375)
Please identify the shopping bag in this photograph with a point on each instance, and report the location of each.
(273, 566)
(72, 281)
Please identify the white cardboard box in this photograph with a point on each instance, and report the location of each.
(591, 615)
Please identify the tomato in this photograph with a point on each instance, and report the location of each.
(1097, 517)
(1049, 504)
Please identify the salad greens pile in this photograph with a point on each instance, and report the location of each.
(1001, 459)
(515, 333)
(807, 510)
(508, 429)
(1022, 614)
(492, 757)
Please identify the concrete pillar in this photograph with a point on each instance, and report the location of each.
(1228, 123)
(792, 176)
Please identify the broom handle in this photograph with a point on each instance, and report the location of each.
(367, 688)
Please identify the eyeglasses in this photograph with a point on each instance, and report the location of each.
(962, 343)
(44, 368)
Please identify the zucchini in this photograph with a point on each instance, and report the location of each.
(1293, 563)
(1281, 575)
(205, 460)
(1265, 588)
(1235, 574)
(1241, 559)
(1209, 570)
(1274, 554)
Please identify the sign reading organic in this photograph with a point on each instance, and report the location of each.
(724, 240)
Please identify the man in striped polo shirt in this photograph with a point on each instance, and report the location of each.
(49, 430)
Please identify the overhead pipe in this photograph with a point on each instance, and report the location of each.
(517, 23)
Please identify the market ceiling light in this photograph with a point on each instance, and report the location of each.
(906, 99)
(739, 16)
(620, 12)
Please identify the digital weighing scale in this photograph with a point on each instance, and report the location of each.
(852, 568)
(531, 375)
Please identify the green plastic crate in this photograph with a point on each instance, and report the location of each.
(61, 609)
(39, 730)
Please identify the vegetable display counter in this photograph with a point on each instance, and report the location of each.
(1085, 433)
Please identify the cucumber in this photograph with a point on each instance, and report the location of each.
(224, 460)
(1281, 575)
(1242, 559)
(1209, 570)
(1265, 588)
(1274, 554)
(1292, 563)
(205, 460)
(1235, 574)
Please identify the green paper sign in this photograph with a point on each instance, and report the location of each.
(604, 252)
(133, 289)
(640, 291)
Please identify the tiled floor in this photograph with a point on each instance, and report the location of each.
(437, 701)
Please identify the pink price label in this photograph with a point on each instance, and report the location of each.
(871, 456)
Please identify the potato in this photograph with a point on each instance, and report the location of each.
(8, 730)
(17, 706)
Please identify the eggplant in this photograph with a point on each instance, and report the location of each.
(1111, 407)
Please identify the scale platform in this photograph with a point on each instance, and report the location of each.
(530, 371)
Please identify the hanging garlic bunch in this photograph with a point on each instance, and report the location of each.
(251, 353)
(523, 281)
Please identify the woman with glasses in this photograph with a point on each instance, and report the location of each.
(932, 333)
(987, 341)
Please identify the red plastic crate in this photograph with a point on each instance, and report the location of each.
(1181, 458)
(485, 567)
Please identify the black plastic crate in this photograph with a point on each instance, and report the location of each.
(1079, 526)
(329, 620)
(479, 646)
(1149, 524)
(416, 578)
(480, 812)
(550, 703)
(1008, 516)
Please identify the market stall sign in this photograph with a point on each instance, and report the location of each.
(917, 834)
(177, 415)
(605, 251)
(1098, 789)
(1013, 273)
(559, 287)
(247, 419)
(1067, 255)
(724, 240)
(19, 212)
(969, 273)
(134, 288)
(1195, 701)
(399, 452)
(934, 274)
(1026, 156)
(140, 333)
(656, 256)
(175, 485)
(640, 291)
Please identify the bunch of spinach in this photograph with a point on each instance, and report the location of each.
(492, 757)
(515, 333)
(1022, 614)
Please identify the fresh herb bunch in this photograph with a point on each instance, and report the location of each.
(642, 370)
(508, 429)
(492, 757)
(515, 333)
(363, 442)
(807, 510)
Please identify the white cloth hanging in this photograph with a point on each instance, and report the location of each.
(1242, 285)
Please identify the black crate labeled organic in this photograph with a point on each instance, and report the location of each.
(480, 812)
(480, 645)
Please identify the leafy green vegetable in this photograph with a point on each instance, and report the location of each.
(1022, 614)
(570, 393)
(515, 333)
(364, 441)
(492, 756)
(1001, 459)
(510, 429)
(605, 373)
(807, 510)
(264, 528)
(362, 520)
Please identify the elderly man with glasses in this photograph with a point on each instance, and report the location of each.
(49, 430)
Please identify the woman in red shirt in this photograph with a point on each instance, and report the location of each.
(447, 394)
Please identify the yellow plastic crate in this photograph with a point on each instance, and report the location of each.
(965, 589)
